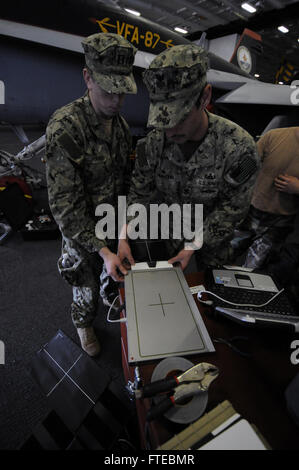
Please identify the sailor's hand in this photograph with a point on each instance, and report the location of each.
(113, 264)
(183, 257)
(124, 253)
(287, 184)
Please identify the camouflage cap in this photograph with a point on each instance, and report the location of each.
(175, 80)
(110, 58)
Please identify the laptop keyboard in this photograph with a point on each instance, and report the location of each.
(280, 306)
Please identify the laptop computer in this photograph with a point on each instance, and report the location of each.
(251, 298)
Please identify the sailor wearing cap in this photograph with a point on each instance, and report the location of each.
(87, 153)
(192, 156)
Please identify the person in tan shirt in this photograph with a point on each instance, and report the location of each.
(275, 200)
(277, 185)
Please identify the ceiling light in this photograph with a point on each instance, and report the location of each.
(133, 12)
(283, 29)
(248, 7)
(181, 30)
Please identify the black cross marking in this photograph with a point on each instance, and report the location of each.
(161, 303)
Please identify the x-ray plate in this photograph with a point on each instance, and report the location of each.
(162, 317)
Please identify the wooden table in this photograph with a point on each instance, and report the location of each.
(254, 385)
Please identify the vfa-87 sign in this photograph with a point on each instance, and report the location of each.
(137, 36)
(143, 34)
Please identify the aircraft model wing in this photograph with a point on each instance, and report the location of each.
(225, 80)
(62, 40)
(41, 35)
(251, 91)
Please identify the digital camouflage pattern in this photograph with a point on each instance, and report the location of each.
(110, 58)
(87, 164)
(163, 175)
(175, 79)
(87, 275)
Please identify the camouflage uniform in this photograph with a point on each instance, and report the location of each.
(213, 175)
(88, 164)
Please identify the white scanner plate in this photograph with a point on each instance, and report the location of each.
(162, 317)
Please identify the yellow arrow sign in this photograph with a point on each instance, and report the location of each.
(104, 22)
